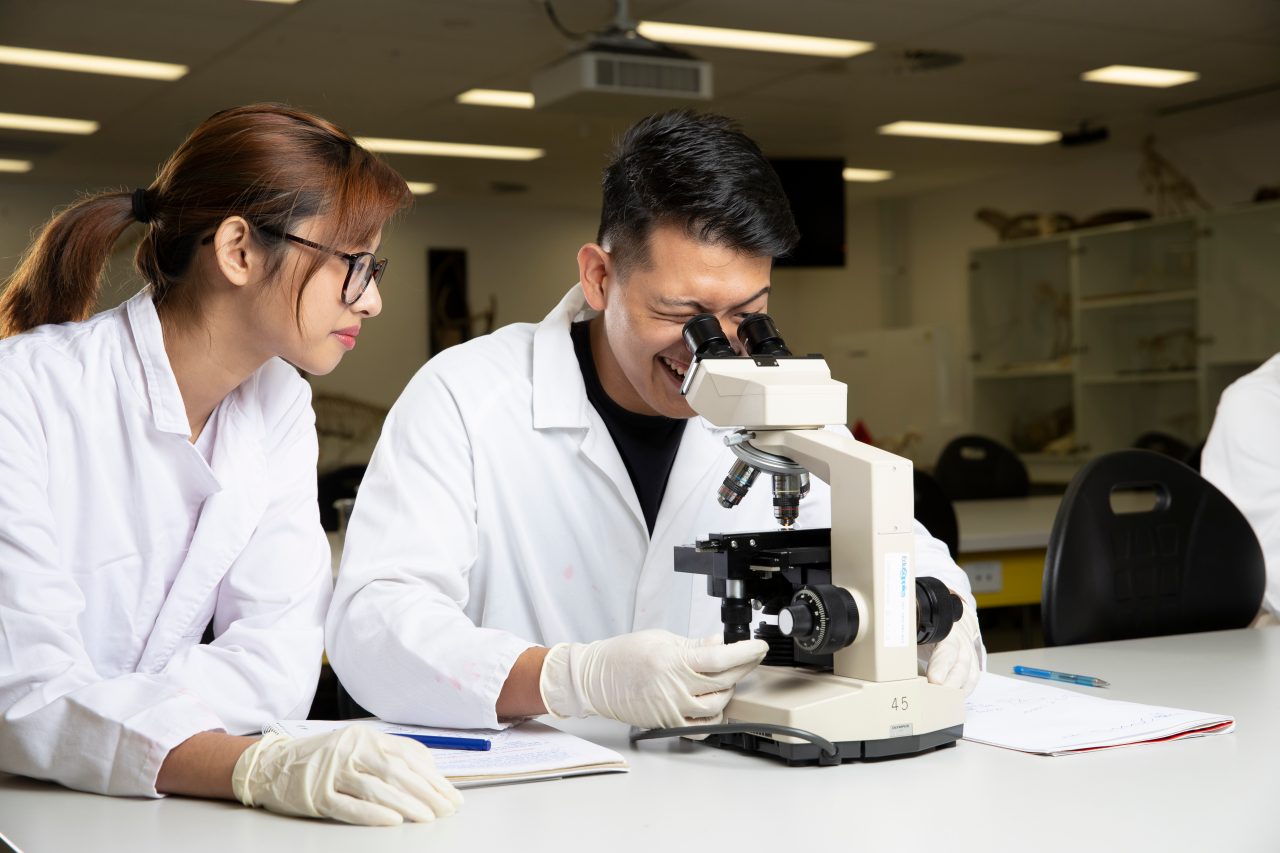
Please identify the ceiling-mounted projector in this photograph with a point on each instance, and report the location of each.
(617, 62)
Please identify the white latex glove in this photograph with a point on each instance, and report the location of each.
(652, 679)
(355, 775)
(957, 659)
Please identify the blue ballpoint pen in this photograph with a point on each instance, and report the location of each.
(1086, 680)
(437, 742)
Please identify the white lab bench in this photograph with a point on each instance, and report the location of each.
(1002, 547)
(1213, 793)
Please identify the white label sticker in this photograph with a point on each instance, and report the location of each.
(897, 571)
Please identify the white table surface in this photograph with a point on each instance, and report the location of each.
(1213, 793)
(1006, 524)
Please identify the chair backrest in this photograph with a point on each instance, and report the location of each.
(935, 511)
(1162, 442)
(974, 467)
(1190, 563)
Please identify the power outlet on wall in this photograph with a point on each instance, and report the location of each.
(984, 576)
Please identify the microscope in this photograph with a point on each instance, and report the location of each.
(839, 682)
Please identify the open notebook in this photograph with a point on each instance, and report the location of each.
(1015, 714)
(524, 753)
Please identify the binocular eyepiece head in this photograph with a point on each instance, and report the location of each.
(756, 332)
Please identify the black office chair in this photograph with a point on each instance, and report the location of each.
(974, 467)
(330, 487)
(1192, 459)
(1162, 442)
(935, 512)
(1191, 563)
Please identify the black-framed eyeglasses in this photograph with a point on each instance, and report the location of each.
(363, 268)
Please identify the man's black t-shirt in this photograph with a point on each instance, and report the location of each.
(646, 443)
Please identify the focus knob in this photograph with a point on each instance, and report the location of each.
(796, 620)
(822, 619)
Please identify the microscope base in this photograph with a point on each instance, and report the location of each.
(799, 754)
(864, 719)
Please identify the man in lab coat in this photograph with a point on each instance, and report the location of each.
(511, 550)
(1242, 458)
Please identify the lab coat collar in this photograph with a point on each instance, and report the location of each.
(559, 393)
(168, 412)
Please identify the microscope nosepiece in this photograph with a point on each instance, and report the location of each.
(736, 484)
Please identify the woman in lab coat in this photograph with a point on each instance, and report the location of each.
(158, 469)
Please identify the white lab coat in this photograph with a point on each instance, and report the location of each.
(1242, 458)
(497, 514)
(118, 542)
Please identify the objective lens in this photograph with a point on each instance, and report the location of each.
(788, 490)
(736, 484)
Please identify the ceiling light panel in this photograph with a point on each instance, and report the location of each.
(752, 40)
(47, 124)
(427, 148)
(1134, 75)
(88, 64)
(421, 187)
(15, 165)
(971, 132)
(866, 176)
(497, 98)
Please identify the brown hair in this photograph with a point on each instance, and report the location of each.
(269, 163)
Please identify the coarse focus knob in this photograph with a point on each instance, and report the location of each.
(795, 620)
(823, 618)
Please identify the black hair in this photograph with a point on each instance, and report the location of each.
(697, 171)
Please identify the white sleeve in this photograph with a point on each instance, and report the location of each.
(268, 622)
(1242, 458)
(59, 719)
(396, 634)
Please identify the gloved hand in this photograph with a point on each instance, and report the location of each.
(355, 775)
(957, 660)
(653, 679)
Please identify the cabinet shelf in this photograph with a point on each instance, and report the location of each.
(1140, 377)
(1126, 300)
(1092, 338)
(1025, 371)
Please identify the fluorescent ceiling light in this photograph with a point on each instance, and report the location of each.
(867, 176)
(421, 187)
(15, 165)
(281, 2)
(971, 132)
(1133, 75)
(47, 124)
(497, 98)
(449, 149)
(752, 40)
(90, 64)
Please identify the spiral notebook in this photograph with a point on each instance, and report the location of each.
(1037, 718)
(528, 752)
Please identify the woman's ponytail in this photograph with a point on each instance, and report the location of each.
(59, 276)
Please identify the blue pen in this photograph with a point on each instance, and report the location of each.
(473, 743)
(1085, 680)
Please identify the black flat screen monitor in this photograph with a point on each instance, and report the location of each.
(815, 188)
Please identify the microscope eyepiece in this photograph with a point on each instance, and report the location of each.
(760, 336)
(706, 339)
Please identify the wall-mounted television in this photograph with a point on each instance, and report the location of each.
(815, 188)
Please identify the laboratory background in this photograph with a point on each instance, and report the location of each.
(1033, 232)
(1052, 225)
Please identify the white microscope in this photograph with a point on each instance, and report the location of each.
(840, 682)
